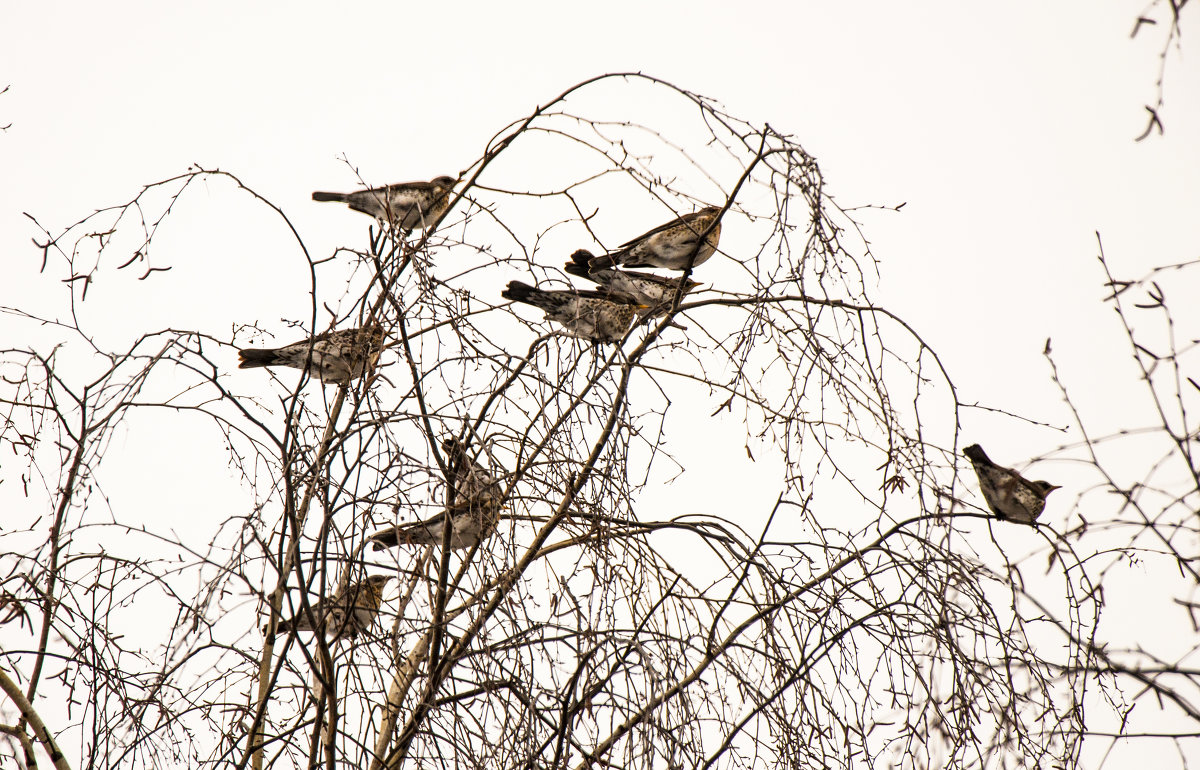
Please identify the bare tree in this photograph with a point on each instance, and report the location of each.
(1140, 512)
(865, 615)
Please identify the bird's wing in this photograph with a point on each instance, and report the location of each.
(579, 265)
(606, 296)
(313, 340)
(413, 186)
(659, 229)
(402, 534)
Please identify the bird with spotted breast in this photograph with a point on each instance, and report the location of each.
(655, 291)
(335, 356)
(346, 614)
(1009, 494)
(600, 316)
(404, 205)
(473, 513)
(670, 245)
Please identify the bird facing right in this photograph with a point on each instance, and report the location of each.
(591, 315)
(656, 291)
(1009, 494)
(346, 614)
(473, 511)
(670, 245)
(405, 205)
(334, 356)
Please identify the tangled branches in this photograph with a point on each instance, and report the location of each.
(615, 615)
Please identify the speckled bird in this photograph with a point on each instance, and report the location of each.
(655, 291)
(347, 614)
(473, 514)
(337, 356)
(1009, 494)
(599, 316)
(405, 205)
(670, 245)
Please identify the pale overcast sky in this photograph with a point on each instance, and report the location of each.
(1006, 129)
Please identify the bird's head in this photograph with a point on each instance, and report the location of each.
(445, 182)
(975, 454)
(370, 594)
(1044, 487)
(456, 451)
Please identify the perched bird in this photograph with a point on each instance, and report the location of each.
(473, 513)
(600, 316)
(670, 245)
(405, 205)
(655, 291)
(336, 356)
(1009, 494)
(346, 614)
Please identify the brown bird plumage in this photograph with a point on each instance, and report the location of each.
(473, 514)
(405, 205)
(336, 356)
(347, 614)
(1009, 494)
(670, 245)
(656, 292)
(591, 315)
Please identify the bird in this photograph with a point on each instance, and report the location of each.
(600, 316)
(474, 510)
(405, 205)
(1009, 494)
(348, 613)
(670, 245)
(334, 356)
(656, 291)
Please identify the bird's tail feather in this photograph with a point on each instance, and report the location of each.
(603, 263)
(523, 292)
(328, 196)
(254, 357)
(976, 454)
(410, 535)
(388, 538)
(284, 627)
(579, 264)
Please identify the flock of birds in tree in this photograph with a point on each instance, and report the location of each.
(603, 314)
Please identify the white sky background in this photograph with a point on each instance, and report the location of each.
(1007, 129)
